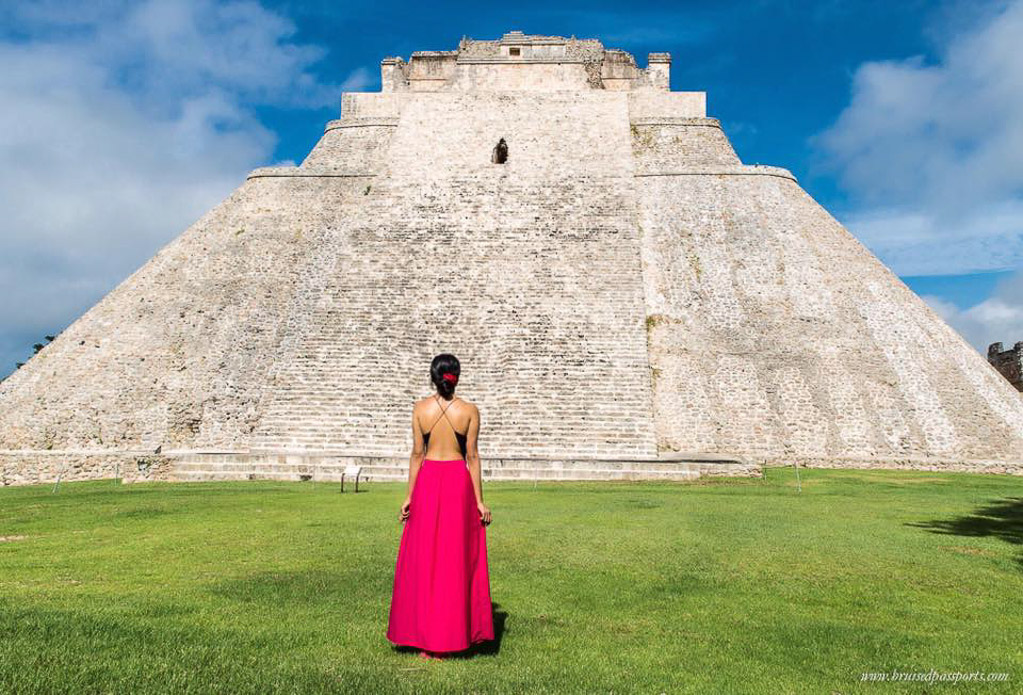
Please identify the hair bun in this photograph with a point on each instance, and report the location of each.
(444, 371)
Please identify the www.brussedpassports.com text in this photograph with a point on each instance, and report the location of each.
(933, 676)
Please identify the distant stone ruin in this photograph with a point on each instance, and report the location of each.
(1008, 362)
(627, 299)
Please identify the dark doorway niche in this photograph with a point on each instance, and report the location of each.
(500, 155)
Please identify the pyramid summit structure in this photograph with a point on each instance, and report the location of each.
(626, 297)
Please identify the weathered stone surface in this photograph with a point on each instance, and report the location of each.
(622, 289)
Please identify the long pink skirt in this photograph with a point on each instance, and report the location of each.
(441, 597)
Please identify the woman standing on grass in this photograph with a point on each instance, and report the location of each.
(441, 597)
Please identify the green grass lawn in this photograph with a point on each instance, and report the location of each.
(719, 587)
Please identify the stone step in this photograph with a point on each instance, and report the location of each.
(516, 448)
(329, 468)
(372, 475)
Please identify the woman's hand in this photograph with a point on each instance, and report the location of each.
(404, 511)
(484, 511)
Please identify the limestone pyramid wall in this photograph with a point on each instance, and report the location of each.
(623, 288)
(177, 354)
(775, 333)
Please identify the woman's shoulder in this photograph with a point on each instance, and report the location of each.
(468, 405)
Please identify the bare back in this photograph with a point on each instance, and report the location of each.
(447, 430)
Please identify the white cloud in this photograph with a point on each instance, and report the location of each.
(122, 123)
(357, 80)
(930, 153)
(997, 319)
(920, 241)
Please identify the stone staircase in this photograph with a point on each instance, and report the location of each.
(213, 466)
(538, 288)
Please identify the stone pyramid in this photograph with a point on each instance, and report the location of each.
(626, 297)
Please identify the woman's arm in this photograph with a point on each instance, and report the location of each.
(472, 460)
(414, 463)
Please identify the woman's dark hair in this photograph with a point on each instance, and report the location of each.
(444, 363)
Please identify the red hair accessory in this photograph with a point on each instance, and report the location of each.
(450, 376)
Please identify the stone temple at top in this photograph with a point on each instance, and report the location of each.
(626, 297)
(519, 62)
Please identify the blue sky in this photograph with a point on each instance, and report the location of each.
(125, 121)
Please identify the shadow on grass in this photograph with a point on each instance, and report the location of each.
(1002, 519)
(490, 647)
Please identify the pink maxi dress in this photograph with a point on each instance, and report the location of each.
(441, 596)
